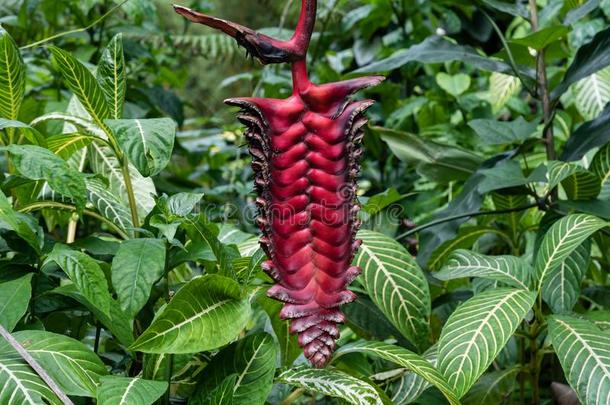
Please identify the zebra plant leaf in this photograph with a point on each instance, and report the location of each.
(501, 88)
(405, 358)
(108, 205)
(332, 383)
(207, 313)
(410, 386)
(115, 390)
(509, 270)
(561, 240)
(147, 142)
(396, 284)
(492, 387)
(111, 76)
(12, 77)
(562, 287)
(582, 349)
(583, 185)
(66, 145)
(601, 167)
(20, 385)
(476, 333)
(592, 94)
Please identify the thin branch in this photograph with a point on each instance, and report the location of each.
(74, 31)
(34, 364)
(461, 216)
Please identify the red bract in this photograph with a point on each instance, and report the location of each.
(306, 151)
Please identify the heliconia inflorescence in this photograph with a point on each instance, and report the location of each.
(305, 153)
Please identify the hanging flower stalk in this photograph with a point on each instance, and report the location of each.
(306, 152)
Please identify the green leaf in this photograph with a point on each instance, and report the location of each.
(466, 238)
(85, 273)
(540, 39)
(333, 383)
(28, 132)
(562, 287)
(115, 390)
(565, 236)
(582, 349)
(12, 77)
(396, 284)
(601, 167)
(590, 58)
(222, 394)
(592, 93)
(577, 13)
(83, 84)
(137, 265)
(493, 387)
(108, 205)
(501, 89)
(436, 49)
(252, 359)
(509, 270)
(36, 163)
(182, 204)
(66, 145)
(410, 386)
(588, 136)
(495, 132)
(476, 333)
(289, 345)
(147, 142)
(70, 363)
(559, 171)
(582, 185)
(517, 10)
(406, 359)
(20, 385)
(454, 85)
(438, 162)
(14, 300)
(111, 76)
(504, 175)
(207, 313)
(79, 122)
(19, 223)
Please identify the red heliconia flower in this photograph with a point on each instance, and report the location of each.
(306, 152)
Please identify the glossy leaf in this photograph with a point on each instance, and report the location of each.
(206, 313)
(592, 94)
(14, 300)
(12, 77)
(476, 333)
(17, 222)
(20, 385)
(495, 132)
(108, 205)
(493, 387)
(582, 185)
(588, 136)
(65, 145)
(454, 85)
(115, 390)
(410, 386)
(542, 38)
(289, 346)
(601, 167)
(501, 88)
(111, 76)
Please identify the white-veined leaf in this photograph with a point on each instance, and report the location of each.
(601, 167)
(70, 363)
(510, 270)
(111, 76)
(108, 205)
(583, 185)
(559, 171)
(12, 77)
(396, 284)
(66, 145)
(20, 385)
(115, 390)
(333, 383)
(562, 287)
(14, 300)
(477, 331)
(584, 352)
(407, 359)
(501, 88)
(206, 313)
(77, 122)
(411, 386)
(592, 94)
(561, 240)
(493, 387)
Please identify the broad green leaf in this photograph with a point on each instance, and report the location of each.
(65, 145)
(182, 204)
(205, 314)
(565, 236)
(515, 9)
(111, 76)
(70, 363)
(438, 162)
(36, 163)
(582, 349)
(501, 88)
(454, 85)
(562, 287)
(437, 49)
(577, 13)
(407, 359)
(20, 385)
(410, 386)
(582, 185)
(509, 270)
(19, 223)
(85, 273)
(83, 84)
(510, 201)
(116, 321)
(79, 123)
(148, 143)
(495, 132)
(396, 284)
(559, 171)
(12, 77)
(115, 390)
(289, 346)
(592, 93)
(601, 167)
(376, 203)
(14, 300)
(588, 136)
(493, 387)
(30, 133)
(108, 205)
(600, 318)
(252, 359)
(476, 333)
(137, 265)
(589, 59)
(333, 383)
(222, 394)
(504, 175)
(540, 39)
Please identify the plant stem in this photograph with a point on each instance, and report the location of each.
(34, 364)
(293, 396)
(98, 333)
(170, 360)
(130, 194)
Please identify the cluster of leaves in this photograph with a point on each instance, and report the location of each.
(129, 265)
